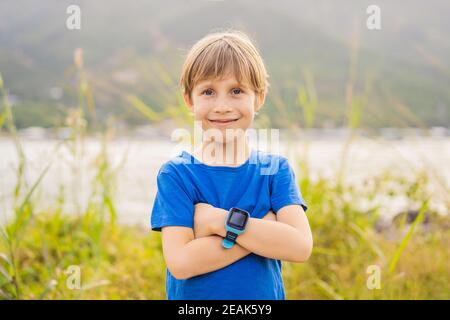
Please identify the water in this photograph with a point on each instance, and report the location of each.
(136, 181)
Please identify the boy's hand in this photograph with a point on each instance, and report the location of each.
(209, 220)
(206, 218)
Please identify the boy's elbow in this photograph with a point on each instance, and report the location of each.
(304, 251)
(179, 268)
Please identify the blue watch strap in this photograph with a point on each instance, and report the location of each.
(230, 239)
(227, 244)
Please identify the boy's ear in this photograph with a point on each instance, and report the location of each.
(259, 101)
(187, 100)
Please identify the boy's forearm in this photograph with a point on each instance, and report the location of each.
(270, 239)
(203, 255)
(206, 254)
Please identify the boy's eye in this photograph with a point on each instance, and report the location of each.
(207, 90)
(234, 91)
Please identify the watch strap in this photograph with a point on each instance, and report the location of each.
(230, 239)
(227, 244)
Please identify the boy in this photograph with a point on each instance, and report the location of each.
(211, 251)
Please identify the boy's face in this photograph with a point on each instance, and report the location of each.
(224, 104)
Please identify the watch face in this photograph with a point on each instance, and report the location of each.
(238, 218)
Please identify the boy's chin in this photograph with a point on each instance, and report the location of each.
(224, 135)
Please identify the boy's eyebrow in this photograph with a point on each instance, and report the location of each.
(206, 84)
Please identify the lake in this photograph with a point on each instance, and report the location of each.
(136, 181)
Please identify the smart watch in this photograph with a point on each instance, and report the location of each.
(234, 225)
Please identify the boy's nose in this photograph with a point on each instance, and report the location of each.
(222, 107)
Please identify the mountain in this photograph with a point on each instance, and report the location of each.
(136, 48)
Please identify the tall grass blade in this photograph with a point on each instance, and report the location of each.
(407, 237)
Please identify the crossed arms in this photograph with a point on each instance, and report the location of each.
(191, 252)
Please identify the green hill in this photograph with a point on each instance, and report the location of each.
(137, 48)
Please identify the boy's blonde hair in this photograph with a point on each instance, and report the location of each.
(219, 53)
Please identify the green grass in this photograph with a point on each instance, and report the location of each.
(125, 262)
(114, 262)
(413, 261)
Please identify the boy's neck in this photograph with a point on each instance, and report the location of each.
(223, 154)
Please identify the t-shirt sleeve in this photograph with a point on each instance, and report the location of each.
(173, 205)
(285, 190)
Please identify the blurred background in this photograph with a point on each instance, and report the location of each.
(86, 119)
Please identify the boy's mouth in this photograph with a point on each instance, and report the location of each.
(223, 121)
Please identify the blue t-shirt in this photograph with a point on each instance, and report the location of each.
(265, 181)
